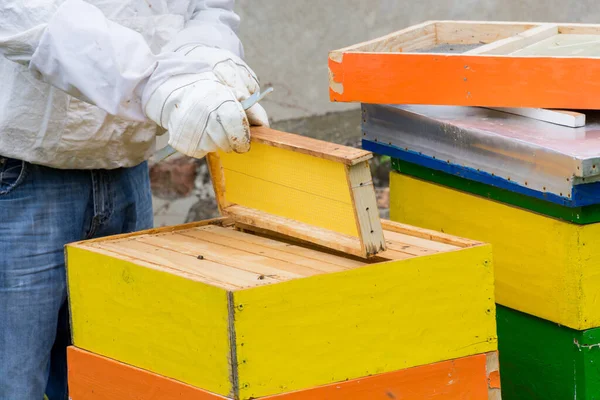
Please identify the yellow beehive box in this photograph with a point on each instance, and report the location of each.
(544, 266)
(263, 302)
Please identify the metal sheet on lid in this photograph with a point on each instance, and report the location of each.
(535, 154)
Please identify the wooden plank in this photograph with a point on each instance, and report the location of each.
(312, 147)
(544, 266)
(564, 46)
(92, 377)
(571, 119)
(579, 29)
(492, 367)
(466, 80)
(277, 249)
(429, 234)
(220, 221)
(411, 38)
(518, 41)
(425, 243)
(474, 32)
(214, 271)
(230, 256)
(365, 208)
(297, 230)
(126, 312)
(329, 333)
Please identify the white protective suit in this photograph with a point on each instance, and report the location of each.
(111, 53)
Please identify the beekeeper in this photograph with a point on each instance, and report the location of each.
(85, 88)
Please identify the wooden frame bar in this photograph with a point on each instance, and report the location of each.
(289, 168)
(405, 67)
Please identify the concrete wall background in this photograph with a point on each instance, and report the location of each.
(287, 42)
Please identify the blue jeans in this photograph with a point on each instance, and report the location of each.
(41, 210)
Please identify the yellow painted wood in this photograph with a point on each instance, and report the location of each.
(155, 320)
(544, 266)
(283, 182)
(148, 305)
(379, 318)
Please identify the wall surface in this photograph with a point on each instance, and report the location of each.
(287, 42)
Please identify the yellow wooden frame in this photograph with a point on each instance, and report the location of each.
(302, 188)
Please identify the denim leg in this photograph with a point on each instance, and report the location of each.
(122, 203)
(126, 193)
(40, 211)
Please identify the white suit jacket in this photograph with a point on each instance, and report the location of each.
(74, 74)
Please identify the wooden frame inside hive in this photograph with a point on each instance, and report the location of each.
(302, 188)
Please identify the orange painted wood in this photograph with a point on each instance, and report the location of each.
(92, 377)
(463, 378)
(465, 80)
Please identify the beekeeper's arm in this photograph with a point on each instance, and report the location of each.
(78, 50)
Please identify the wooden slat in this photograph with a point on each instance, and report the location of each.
(183, 262)
(229, 256)
(391, 226)
(403, 238)
(408, 248)
(231, 241)
(563, 46)
(364, 201)
(466, 80)
(411, 38)
(306, 145)
(474, 32)
(193, 275)
(571, 119)
(220, 221)
(579, 29)
(517, 42)
(393, 254)
(298, 230)
(281, 250)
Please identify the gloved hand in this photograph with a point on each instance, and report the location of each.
(233, 72)
(202, 112)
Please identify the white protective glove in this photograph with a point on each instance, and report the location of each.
(203, 112)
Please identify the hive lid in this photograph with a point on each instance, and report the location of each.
(301, 188)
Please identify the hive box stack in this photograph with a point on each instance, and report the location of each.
(298, 292)
(506, 182)
(529, 187)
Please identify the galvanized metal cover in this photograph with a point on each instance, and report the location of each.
(535, 154)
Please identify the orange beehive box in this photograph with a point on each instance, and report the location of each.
(490, 64)
(92, 377)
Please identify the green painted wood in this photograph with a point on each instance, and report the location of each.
(541, 360)
(578, 215)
